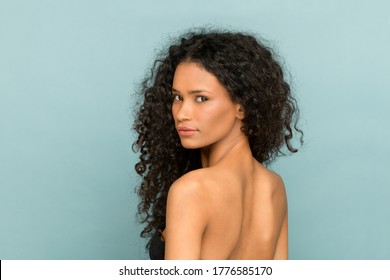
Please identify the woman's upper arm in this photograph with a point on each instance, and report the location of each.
(185, 220)
(281, 252)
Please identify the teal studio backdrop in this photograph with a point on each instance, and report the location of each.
(68, 71)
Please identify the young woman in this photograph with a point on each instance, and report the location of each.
(216, 110)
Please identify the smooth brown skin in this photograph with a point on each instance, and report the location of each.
(233, 207)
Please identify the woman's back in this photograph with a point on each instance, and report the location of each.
(239, 209)
(246, 217)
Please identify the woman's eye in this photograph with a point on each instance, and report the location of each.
(201, 99)
(177, 97)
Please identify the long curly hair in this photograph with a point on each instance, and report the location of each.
(253, 77)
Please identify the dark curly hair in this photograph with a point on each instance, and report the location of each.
(252, 76)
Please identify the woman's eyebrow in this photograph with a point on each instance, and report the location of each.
(191, 91)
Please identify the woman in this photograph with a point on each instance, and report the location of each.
(216, 111)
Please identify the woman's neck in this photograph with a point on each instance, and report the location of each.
(231, 150)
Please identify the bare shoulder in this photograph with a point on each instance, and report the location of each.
(190, 183)
(272, 187)
(186, 217)
(271, 214)
(271, 182)
(189, 190)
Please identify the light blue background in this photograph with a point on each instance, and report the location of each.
(68, 70)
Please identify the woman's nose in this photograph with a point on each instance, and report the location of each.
(184, 111)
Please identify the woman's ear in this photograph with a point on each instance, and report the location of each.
(240, 112)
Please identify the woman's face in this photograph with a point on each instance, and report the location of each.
(204, 114)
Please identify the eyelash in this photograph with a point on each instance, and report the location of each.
(177, 97)
(204, 99)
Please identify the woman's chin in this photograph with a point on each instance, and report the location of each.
(189, 145)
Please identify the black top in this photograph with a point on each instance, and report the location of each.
(157, 247)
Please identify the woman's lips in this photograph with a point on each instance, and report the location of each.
(186, 131)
